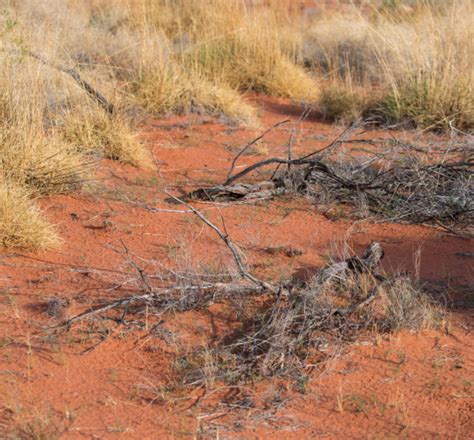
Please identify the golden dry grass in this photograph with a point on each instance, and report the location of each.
(179, 56)
(163, 88)
(21, 223)
(93, 131)
(42, 164)
(418, 59)
(197, 54)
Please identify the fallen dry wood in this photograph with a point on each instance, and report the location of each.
(232, 247)
(392, 180)
(165, 298)
(340, 271)
(240, 191)
(253, 142)
(196, 296)
(278, 340)
(74, 74)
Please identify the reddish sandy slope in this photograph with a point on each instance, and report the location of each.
(405, 386)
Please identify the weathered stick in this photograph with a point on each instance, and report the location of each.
(339, 271)
(232, 247)
(239, 191)
(253, 142)
(74, 74)
(156, 295)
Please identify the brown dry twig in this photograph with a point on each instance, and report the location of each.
(164, 297)
(393, 180)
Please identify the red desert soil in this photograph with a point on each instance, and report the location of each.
(404, 386)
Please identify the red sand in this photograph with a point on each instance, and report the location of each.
(409, 386)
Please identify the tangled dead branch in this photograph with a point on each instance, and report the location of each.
(93, 93)
(336, 305)
(298, 320)
(296, 323)
(180, 297)
(386, 178)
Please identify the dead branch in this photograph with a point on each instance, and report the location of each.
(279, 340)
(232, 247)
(240, 191)
(94, 94)
(253, 142)
(393, 180)
(161, 297)
(340, 271)
(164, 297)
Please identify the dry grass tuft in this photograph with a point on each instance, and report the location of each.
(94, 131)
(233, 43)
(419, 58)
(166, 88)
(303, 325)
(42, 164)
(341, 104)
(252, 59)
(21, 224)
(406, 306)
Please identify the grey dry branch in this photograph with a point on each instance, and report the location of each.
(280, 339)
(93, 93)
(232, 247)
(166, 299)
(386, 178)
(336, 306)
(253, 142)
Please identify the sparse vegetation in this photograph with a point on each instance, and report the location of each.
(96, 132)
(339, 103)
(178, 57)
(176, 338)
(287, 334)
(415, 57)
(387, 178)
(21, 223)
(36, 426)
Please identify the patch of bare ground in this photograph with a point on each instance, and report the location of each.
(121, 375)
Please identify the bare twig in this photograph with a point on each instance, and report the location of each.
(74, 74)
(140, 271)
(253, 142)
(397, 181)
(232, 247)
(159, 296)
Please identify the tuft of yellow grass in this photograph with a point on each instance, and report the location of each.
(21, 223)
(417, 59)
(163, 88)
(42, 164)
(430, 78)
(93, 131)
(230, 42)
(339, 102)
(407, 307)
(250, 55)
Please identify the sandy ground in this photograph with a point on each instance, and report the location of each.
(408, 385)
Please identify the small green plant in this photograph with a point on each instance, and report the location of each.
(301, 384)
